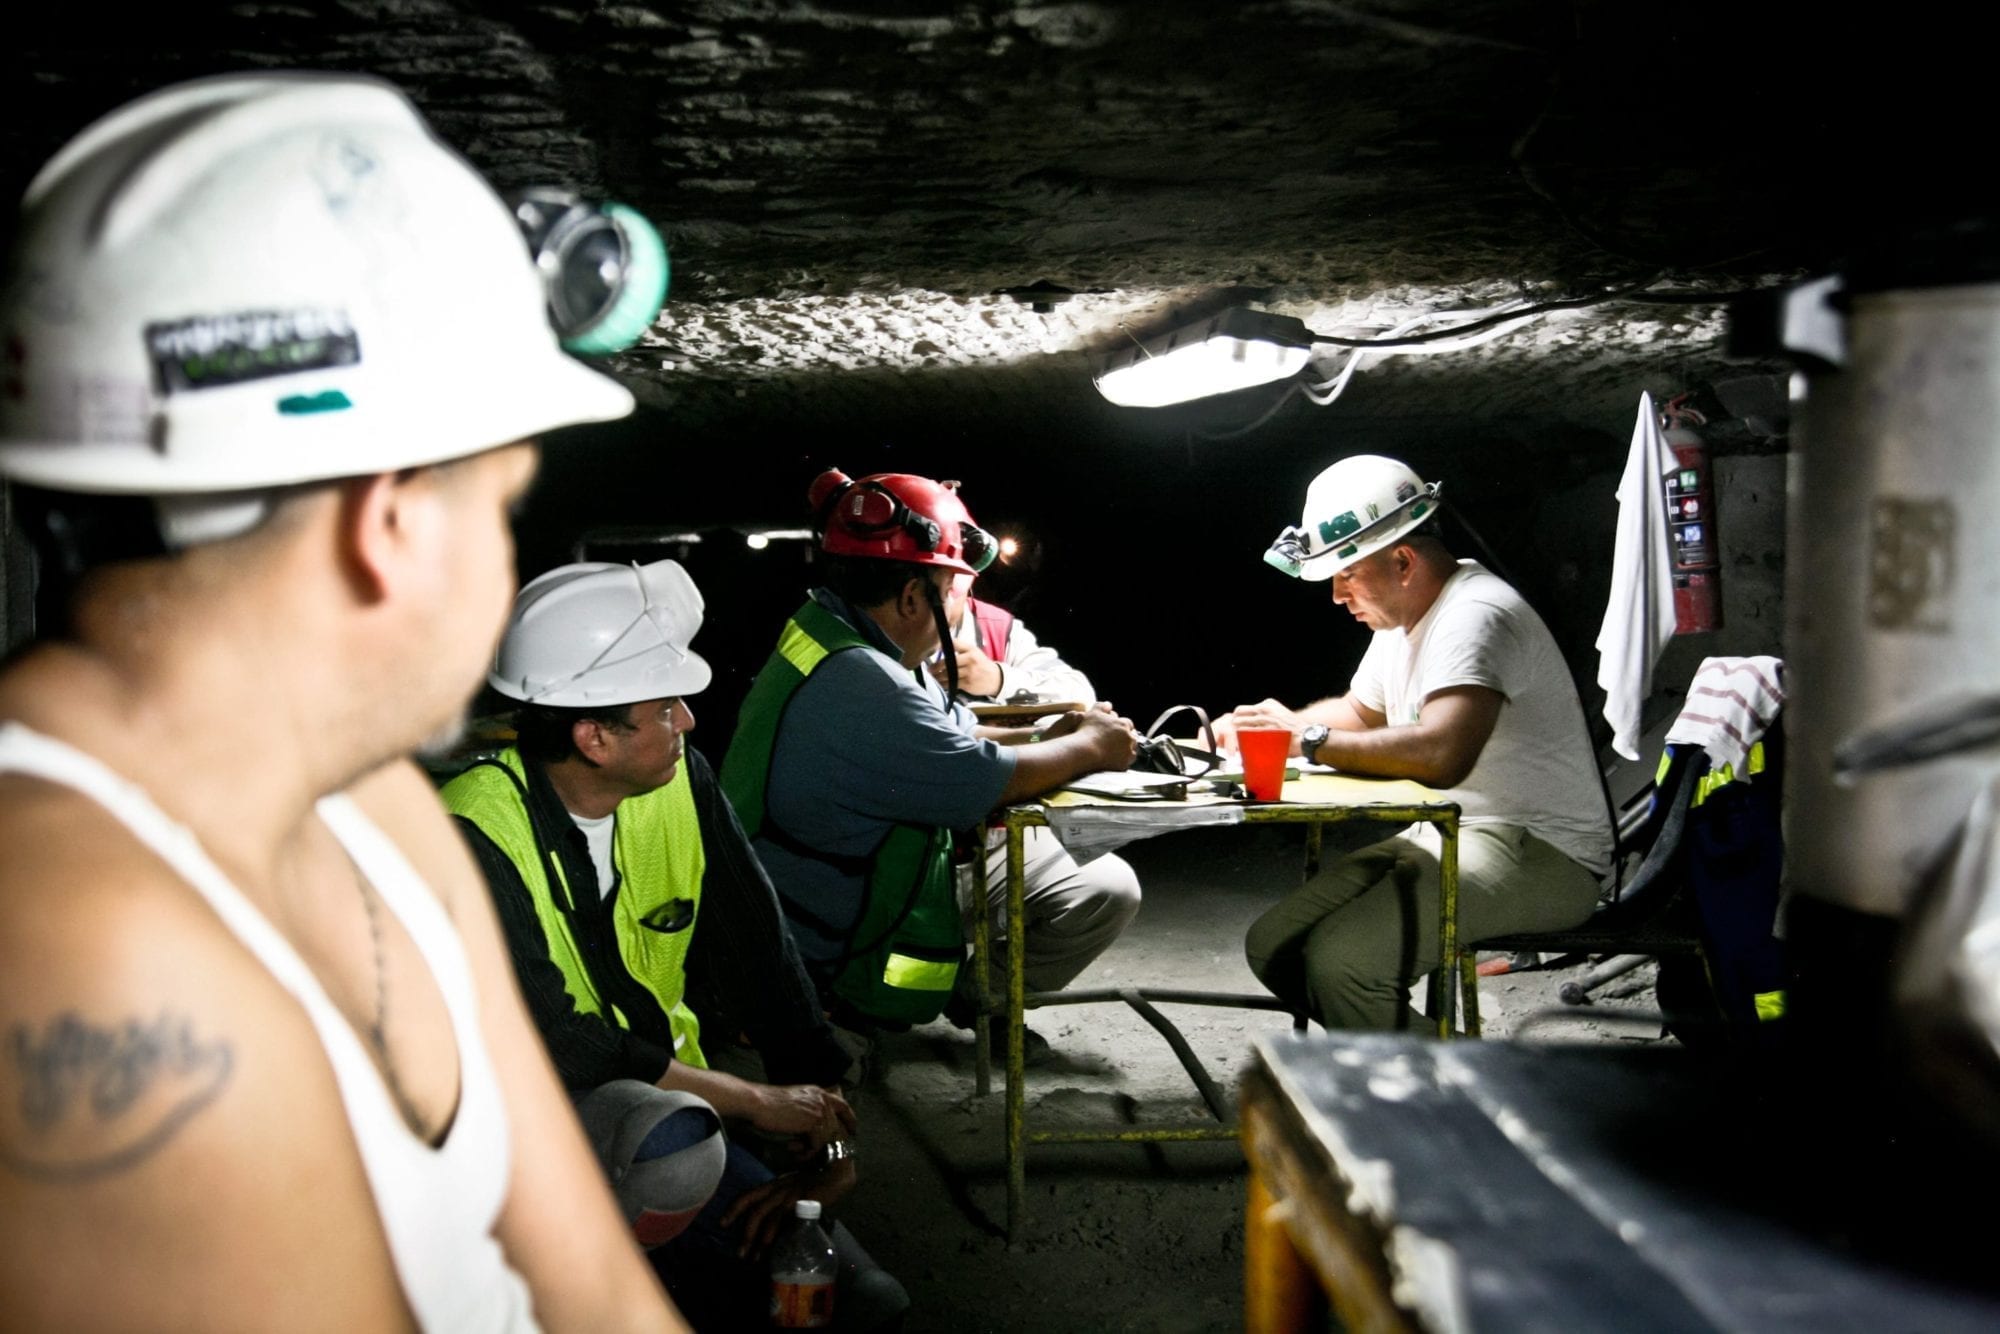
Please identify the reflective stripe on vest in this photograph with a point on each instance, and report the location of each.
(800, 649)
(657, 851)
(919, 974)
(1716, 779)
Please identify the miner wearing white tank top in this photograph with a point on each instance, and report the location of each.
(277, 359)
(1462, 689)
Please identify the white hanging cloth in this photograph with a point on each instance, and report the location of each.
(1639, 615)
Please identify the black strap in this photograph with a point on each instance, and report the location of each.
(854, 951)
(947, 647)
(847, 865)
(1213, 754)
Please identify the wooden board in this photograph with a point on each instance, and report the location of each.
(1014, 715)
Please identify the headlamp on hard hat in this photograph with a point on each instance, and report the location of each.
(187, 335)
(980, 547)
(604, 268)
(1354, 508)
(1289, 552)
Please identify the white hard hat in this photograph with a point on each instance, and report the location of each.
(1354, 509)
(261, 279)
(601, 634)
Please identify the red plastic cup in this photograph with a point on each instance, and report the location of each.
(1263, 750)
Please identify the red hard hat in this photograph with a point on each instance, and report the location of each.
(898, 516)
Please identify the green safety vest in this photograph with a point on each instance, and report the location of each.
(902, 956)
(657, 850)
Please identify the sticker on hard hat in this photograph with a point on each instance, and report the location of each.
(209, 351)
(1340, 525)
(305, 405)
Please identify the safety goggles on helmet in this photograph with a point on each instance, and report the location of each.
(604, 267)
(869, 509)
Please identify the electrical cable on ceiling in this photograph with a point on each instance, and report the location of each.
(1483, 326)
(1487, 324)
(1291, 388)
(1634, 292)
(1487, 321)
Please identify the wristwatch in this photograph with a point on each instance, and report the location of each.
(1312, 739)
(835, 1151)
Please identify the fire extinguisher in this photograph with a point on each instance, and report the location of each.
(1691, 537)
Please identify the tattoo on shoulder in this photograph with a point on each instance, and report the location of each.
(81, 1099)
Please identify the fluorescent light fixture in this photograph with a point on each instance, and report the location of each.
(1236, 349)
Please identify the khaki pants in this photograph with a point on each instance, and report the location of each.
(1073, 912)
(1346, 946)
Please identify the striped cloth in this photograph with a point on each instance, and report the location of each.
(1731, 703)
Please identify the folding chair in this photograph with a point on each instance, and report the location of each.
(1653, 915)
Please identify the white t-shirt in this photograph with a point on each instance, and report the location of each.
(597, 834)
(1536, 770)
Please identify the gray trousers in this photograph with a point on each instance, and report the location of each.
(1346, 945)
(1073, 912)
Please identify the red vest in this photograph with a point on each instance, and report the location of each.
(992, 624)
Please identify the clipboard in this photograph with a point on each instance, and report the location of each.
(1012, 715)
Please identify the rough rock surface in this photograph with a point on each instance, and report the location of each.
(919, 188)
(903, 232)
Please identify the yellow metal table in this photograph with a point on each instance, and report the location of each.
(1313, 800)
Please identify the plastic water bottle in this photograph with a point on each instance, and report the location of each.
(802, 1272)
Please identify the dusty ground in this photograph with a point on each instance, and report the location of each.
(1121, 1237)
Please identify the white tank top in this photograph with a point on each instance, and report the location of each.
(437, 1206)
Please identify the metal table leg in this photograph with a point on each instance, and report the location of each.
(982, 950)
(1017, 991)
(1444, 982)
(1139, 999)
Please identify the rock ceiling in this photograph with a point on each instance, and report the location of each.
(965, 203)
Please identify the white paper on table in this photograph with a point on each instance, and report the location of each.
(1142, 785)
(1088, 832)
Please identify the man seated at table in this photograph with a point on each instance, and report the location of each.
(851, 767)
(1462, 689)
(1073, 911)
(999, 659)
